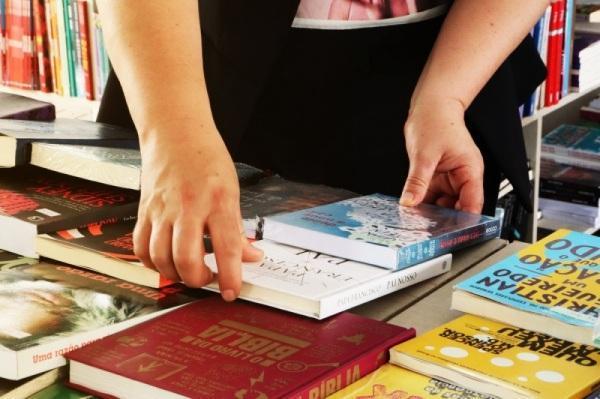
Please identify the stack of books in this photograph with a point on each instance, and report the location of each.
(531, 332)
(54, 46)
(69, 193)
(591, 111)
(570, 175)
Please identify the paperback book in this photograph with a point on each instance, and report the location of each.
(214, 349)
(60, 391)
(551, 286)
(16, 137)
(273, 195)
(317, 285)
(573, 145)
(393, 382)
(501, 360)
(35, 201)
(374, 229)
(13, 106)
(27, 387)
(569, 183)
(103, 247)
(120, 167)
(49, 309)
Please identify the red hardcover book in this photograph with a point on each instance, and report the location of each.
(86, 56)
(213, 349)
(551, 58)
(42, 46)
(14, 44)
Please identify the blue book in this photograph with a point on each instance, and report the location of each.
(552, 287)
(374, 229)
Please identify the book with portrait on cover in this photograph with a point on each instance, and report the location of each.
(214, 349)
(376, 230)
(552, 286)
(49, 309)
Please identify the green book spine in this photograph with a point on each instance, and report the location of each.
(70, 50)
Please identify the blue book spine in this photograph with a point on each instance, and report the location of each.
(447, 243)
(568, 46)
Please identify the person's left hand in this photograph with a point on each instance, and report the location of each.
(446, 167)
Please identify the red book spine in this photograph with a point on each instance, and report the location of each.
(349, 373)
(560, 38)
(30, 71)
(86, 57)
(14, 43)
(42, 46)
(551, 62)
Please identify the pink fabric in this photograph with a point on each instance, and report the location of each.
(361, 10)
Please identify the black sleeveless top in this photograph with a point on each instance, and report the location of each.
(328, 106)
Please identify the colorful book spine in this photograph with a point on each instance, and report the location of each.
(86, 60)
(568, 47)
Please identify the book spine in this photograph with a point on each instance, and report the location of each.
(70, 51)
(42, 46)
(31, 73)
(568, 156)
(3, 41)
(86, 60)
(560, 38)
(347, 374)
(128, 210)
(76, 43)
(590, 114)
(549, 90)
(446, 243)
(568, 46)
(384, 285)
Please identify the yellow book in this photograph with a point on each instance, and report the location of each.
(393, 382)
(503, 361)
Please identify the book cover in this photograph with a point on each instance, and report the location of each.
(35, 201)
(60, 391)
(273, 194)
(49, 309)
(374, 229)
(573, 145)
(120, 167)
(565, 181)
(393, 382)
(501, 360)
(556, 278)
(15, 136)
(104, 247)
(13, 106)
(318, 285)
(25, 388)
(215, 349)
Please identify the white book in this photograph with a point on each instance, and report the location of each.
(317, 285)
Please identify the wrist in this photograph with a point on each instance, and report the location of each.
(436, 105)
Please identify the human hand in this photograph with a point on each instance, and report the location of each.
(189, 187)
(446, 167)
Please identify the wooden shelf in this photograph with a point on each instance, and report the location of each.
(66, 107)
(551, 224)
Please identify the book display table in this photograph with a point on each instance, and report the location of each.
(394, 307)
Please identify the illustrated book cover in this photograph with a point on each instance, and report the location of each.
(375, 229)
(501, 360)
(552, 286)
(214, 349)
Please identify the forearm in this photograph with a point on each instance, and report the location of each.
(475, 39)
(155, 49)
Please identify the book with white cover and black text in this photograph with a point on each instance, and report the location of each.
(319, 286)
(376, 230)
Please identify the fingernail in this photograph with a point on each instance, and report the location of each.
(407, 199)
(228, 295)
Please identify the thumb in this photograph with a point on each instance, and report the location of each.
(419, 177)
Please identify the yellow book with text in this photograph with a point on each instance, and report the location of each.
(503, 361)
(393, 382)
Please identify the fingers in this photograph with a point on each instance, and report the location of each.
(249, 252)
(141, 241)
(419, 177)
(227, 244)
(471, 195)
(160, 250)
(188, 252)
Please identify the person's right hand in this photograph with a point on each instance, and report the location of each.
(189, 187)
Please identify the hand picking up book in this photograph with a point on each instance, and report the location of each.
(73, 287)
